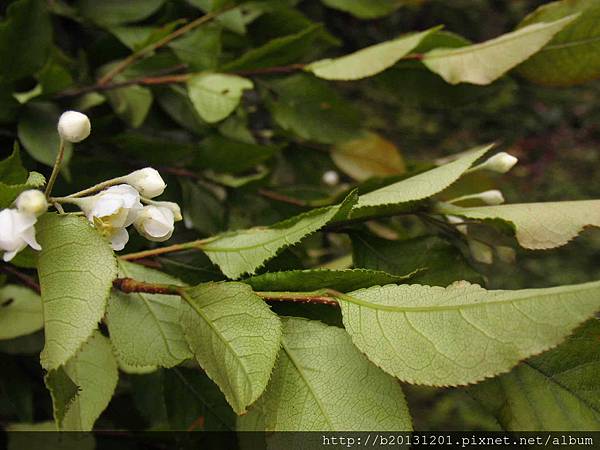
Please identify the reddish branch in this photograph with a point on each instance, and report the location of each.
(28, 281)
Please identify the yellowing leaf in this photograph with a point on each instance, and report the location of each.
(463, 333)
(368, 156)
(538, 226)
(76, 268)
(367, 61)
(485, 62)
(216, 95)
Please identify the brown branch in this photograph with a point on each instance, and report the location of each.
(120, 67)
(317, 299)
(272, 195)
(129, 285)
(28, 281)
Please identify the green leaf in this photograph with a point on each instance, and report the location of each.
(43, 436)
(131, 103)
(216, 95)
(558, 390)
(369, 155)
(277, 52)
(309, 280)
(437, 261)
(76, 268)
(463, 333)
(368, 61)
(202, 210)
(235, 338)
(20, 312)
(312, 110)
(11, 168)
(8, 193)
(114, 12)
(63, 392)
(25, 39)
(177, 104)
(144, 329)
(538, 226)
(199, 49)
(37, 133)
(94, 371)
(364, 9)
(423, 185)
(227, 155)
(485, 62)
(244, 251)
(323, 383)
(571, 57)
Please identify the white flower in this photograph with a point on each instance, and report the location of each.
(155, 223)
(74, 126)
(32, 201)
(331, 178)
(111, 211)
(458, 222)
(16, 232)
(174, 207)
(147, 181)
(501, 162)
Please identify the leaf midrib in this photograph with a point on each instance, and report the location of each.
(448, 53)
(307, 383)
(357, 301)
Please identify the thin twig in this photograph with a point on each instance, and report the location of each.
(28, 281)
(162, 250)
(272, 195)
(56, 168)
(120, 67)
(165, 76)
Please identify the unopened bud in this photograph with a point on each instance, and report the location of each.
(155, 223)
(457, 221)
(492, 197)
(74, 126)
(174, 207)
(147, 181)
(501, 162)
(32, 202)
(331, 178)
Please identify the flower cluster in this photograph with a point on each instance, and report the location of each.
(130, 203)
(17, 224)
(115, 205)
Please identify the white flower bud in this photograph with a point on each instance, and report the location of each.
(174, 207)
(147, 181)
(16, 232)
(457, 221)
(492, 197)
(155, 223)
(481, 252)
(331, 178)
(74, 126)
(32, 201)
(501, 162)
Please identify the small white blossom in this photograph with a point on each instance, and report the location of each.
(155, 223)
(111, 211)
(147, 181)
(501, 162)
(492, 197)
(16, 232)
(331, 178)
(174, 207)
(32, 201)
(74, 126)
